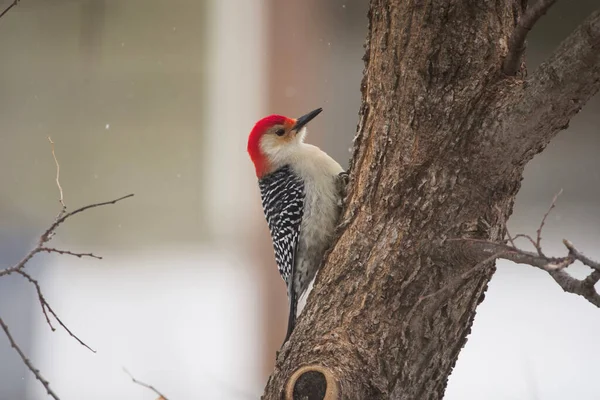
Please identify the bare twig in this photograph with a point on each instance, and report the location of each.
(62, 199)
(41, 298)
(511, 239)
(579, 256)
(14, 3)
(40, 247)
(147, 386)
(555, 266)
(47, 235)
(20, 264)
(62, 217)
(53, 250)
(27, 362)
(529, 238)
(46, 306)
(505, 226)
(538, 241)
(516, 43)
(519, 256)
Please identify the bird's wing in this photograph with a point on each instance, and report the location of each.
(282, 195)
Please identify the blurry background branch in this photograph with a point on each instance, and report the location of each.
(46, 307)
(26, 360)
(147, 386)
(50, 232)
(14, 3)
(19, 267)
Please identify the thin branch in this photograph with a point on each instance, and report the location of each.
(47, 235)
(147, 386)
(511, 240)
(46, 306)
(529, 238)
(14, 3)
(538, 242)
(53, 250)
(40, 247)
(27, 362)
(60, 190)
(41, 298)
(516, 43)
(60, 218)
(21, 264)
(519, 256)
(579, 256)
(554, 266)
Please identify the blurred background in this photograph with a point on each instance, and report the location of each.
(156, 98)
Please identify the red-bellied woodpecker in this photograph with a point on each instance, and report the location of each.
(301, 189)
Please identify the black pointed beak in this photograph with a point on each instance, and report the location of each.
(305, 119)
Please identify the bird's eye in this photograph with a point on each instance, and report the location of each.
(280, 132)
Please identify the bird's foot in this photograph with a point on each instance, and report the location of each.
(342, 184)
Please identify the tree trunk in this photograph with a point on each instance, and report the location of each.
(442, 141)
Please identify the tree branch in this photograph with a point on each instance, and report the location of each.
(147, 386)
(14, 3)
(585, 288)
(538, 241)
(27, 362)
(60, 190)
(18, 268)
(63, 252)
(578, 256)
(47, 235)
(516, 44)
(554, 92)
(554, 266)
(46, 306)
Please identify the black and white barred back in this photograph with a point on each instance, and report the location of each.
(282, 194)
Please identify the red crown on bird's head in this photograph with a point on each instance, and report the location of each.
(290, 128)
(261, 164)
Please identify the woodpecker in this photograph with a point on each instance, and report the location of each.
(301, 189)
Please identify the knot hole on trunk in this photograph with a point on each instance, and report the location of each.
(312, 382)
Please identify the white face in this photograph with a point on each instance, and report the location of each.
(278, 144)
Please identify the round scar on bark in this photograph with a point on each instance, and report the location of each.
(312, 382)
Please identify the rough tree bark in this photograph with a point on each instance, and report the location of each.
(443, 137)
